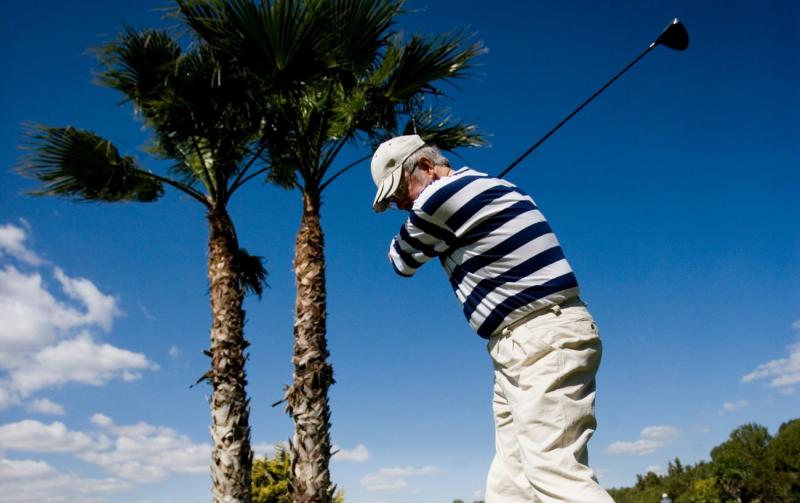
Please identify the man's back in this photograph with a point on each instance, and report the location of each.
(502, 258)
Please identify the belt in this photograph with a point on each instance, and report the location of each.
(552, 308)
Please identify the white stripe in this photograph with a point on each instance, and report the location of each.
(495, 298)
(499, 235)
(502, 265)
(491, 209)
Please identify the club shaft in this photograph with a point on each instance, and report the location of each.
(580, 107)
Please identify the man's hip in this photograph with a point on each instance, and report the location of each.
(544, 395)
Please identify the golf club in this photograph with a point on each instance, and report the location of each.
(674, 36)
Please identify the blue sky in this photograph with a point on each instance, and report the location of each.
(674, 195)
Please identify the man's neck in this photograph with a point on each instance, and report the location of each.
(440, 171)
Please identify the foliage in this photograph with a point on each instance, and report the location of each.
(336, 72)
(271, 479)
(751, 466)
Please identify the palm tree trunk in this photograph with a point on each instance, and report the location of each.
(230, 430)
(307, 397)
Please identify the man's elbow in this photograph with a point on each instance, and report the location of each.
(402, 271)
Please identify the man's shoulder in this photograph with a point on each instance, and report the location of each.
(448, 193)
(464, 176)
(447, 184)
(467, 171)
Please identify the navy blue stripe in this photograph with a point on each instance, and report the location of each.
(415, 243)
(492, 223)
(398, 271)
(476, 204)
(516, 273)
(477, 262)
(432, 229)
(446, 192)
(405, 256)
(523, 298)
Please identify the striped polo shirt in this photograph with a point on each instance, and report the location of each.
(500, 254)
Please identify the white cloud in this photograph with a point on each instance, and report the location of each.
(25, 469)
(33, 317)
(12, 239)
(7, 397)
(783, 373)
(102, 420)
(143, 452)
(640, 447)
(394, 479)
(100, 308)
(47, 331)
(650, 439)
(146, 312)
(733, 406)
(796, 325)
(174, 352)
(140, 453)
(357, 454)
(29, 481)
(45, 406)
(660, 433)
(80, 360)
(33, 436)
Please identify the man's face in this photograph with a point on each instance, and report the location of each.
(401, 197)
(411, 187)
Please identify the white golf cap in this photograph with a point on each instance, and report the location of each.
(387, 163)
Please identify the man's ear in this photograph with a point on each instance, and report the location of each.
(426, 164)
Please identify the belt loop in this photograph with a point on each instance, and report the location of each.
(556, 310)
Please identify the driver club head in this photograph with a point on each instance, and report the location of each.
(674, 36)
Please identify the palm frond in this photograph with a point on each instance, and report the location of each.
(357, 31)
(413, 67)
(138, 65)
(252, 273)
(81, 165)
(440, 129)
(397, 85)
(282, 40)
(202, 107)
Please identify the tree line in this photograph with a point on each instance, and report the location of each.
(269, 91)
(752, 466)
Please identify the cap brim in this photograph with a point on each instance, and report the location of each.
(386, 190)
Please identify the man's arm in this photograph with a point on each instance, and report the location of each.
(420, 239)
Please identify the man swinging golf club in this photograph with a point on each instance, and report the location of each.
(518, 291)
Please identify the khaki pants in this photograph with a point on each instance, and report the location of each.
(543, 405)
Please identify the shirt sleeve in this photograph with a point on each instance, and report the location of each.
(420, 239)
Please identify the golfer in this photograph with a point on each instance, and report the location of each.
(518, 291)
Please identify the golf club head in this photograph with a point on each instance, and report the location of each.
(674, 36)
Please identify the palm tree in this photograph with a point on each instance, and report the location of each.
(200, 110)
(355, 81)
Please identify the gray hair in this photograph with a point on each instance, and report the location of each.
(433, 153)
